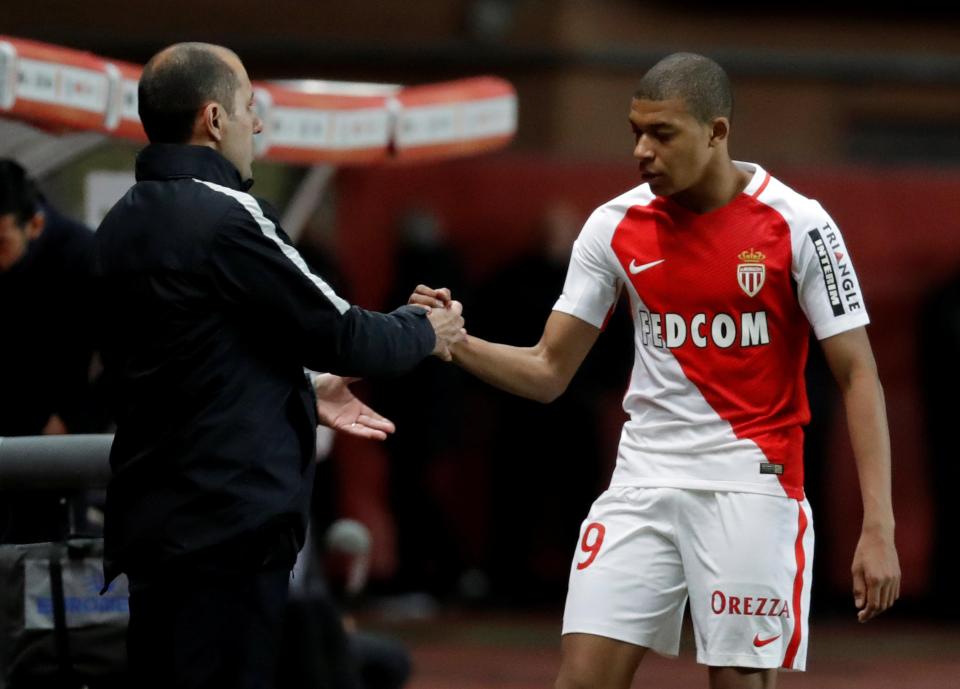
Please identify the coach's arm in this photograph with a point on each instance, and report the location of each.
(876, 569)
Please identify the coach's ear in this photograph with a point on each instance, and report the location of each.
(209, 124)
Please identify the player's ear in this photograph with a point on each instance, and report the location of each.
(719, 131)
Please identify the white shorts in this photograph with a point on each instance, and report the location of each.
(744, 559)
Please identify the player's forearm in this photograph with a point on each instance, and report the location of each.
(870, 437)
(523, 371)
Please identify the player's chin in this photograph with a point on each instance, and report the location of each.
(661, 186)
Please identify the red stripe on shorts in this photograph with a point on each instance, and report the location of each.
(797, 590)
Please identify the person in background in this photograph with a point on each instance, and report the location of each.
(46, 348)
(424, 566)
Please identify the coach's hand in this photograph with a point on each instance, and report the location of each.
(339, 409)
(876, 573)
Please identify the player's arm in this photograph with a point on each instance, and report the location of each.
(541, 372)
(876, 569)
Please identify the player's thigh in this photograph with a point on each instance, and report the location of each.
(626, 578)
(748, 560)
(596, 662)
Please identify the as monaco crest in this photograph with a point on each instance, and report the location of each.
(751, 272)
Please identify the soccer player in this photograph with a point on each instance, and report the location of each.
(726, 269)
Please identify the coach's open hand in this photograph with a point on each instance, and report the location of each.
(339, 409)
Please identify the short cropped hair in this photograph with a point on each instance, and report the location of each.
(18, 193)
(174, 88)
(698, 81)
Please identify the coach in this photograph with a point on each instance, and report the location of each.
(211, 317)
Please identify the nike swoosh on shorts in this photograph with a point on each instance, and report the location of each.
(760, 643)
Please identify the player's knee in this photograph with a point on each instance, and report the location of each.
(595, 662)
(583, 678)
(579, 671)
(568, 680)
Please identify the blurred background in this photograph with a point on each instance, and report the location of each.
(474, 505)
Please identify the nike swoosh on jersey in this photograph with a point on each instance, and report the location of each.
(760, 643)
(634, 268)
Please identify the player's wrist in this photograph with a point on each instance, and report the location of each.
(879, 526)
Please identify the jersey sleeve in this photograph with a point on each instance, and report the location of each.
(592, 284)
(827, 285)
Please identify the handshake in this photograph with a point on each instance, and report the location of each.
(444, 314)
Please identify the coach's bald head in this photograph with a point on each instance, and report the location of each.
(200, 94)
(178, 82)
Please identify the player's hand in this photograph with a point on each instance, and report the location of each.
(430, 298)
(876, 573)
(447, 323)
(339, 409)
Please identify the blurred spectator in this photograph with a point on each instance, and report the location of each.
(429, 552)
(323, 647)
(546, 460)
(45, 261)
(46, 348)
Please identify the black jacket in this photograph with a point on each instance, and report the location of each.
(211, 317)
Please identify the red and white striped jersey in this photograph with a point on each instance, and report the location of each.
(722, 304)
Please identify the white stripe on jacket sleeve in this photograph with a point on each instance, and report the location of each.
(269, 230)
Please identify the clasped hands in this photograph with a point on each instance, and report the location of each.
(338, 408)
(444, 314)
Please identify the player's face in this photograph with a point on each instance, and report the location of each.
(671, 146)
(240, 127)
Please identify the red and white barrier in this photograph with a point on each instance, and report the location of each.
(305, 122)
(305, 127)
(454, 118)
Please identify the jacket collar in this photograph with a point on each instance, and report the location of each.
(182, 161)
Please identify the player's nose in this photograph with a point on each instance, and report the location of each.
(643, 150)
